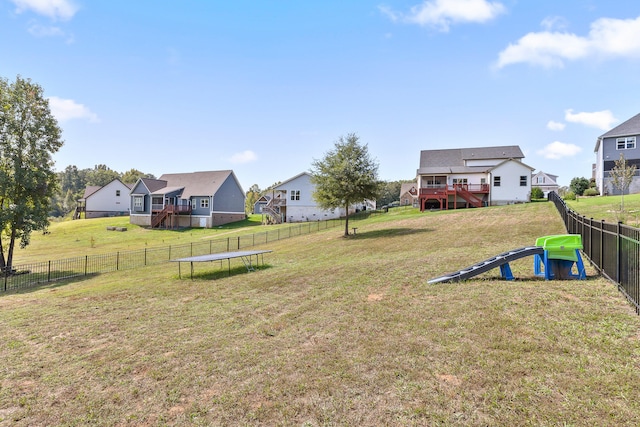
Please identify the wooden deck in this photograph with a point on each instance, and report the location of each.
(471, 194)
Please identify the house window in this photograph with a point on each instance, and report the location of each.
(626, 143)
(204, 203)
(541, 180)
(496, 181)
(137, 202)
(459, 181)
(117, 193)
(295, 194)
(523, 180)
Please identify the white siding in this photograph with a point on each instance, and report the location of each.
(306, 208)
(510, 190)
(599, 168)
(472, 178)
(483, 162)
(106, 200)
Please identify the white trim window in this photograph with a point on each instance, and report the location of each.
(627, 143)
(137, 202)
(204, 203)
(295, 194)
(523, 180)
(496, 181)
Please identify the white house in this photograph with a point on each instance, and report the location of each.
(109, 200)
(473, 177)
(292, 201)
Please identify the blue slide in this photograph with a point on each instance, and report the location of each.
(502, 260)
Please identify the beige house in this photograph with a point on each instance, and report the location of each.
(409, 194)
(545, 181)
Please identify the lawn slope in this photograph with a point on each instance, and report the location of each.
(336, 331)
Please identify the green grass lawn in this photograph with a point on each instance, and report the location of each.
(333, 331)
(67, 239)
(609, 208)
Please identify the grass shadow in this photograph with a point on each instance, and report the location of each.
(220, 273)
(45, 284)
(388, 232)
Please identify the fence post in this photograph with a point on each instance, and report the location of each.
(591, 238)
(191, 249)
(618, 250)
(86, 261)
(117, 261)
(49, 272)
(145, 256)
(169, 252)
(238, 242)
(601, 243)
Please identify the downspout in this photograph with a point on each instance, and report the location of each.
(489, 203)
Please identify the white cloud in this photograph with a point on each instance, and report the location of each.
(551, 125)
(54, 9)
(607, 38)
(442, 13)
(42, 31)
(554, 22)
(603, 120)
(246, 156)
(68, 109)
(557, 150)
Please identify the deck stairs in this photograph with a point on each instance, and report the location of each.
(471, 198)
(158, 217)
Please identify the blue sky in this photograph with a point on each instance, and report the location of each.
(265, 87)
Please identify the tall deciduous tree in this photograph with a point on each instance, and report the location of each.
(132, 175)
(578, 185)
(621, 176)
(252, 196)
(29, 135)
(346, 175)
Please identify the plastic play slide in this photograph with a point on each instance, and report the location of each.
(554, 258)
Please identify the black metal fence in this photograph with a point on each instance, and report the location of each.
(613, 249)
(33, 274)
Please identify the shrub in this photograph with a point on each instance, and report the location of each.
(537, 193)
(569, 195)
(591, 192)
(578, 185)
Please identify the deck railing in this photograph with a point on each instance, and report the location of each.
(171, 208)
(439, 189)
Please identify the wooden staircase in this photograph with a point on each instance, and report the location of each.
(273, 213)
(471, 198)
(158, 217)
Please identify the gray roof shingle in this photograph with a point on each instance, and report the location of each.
(454, 160)
(197, 183)
(630, 127)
